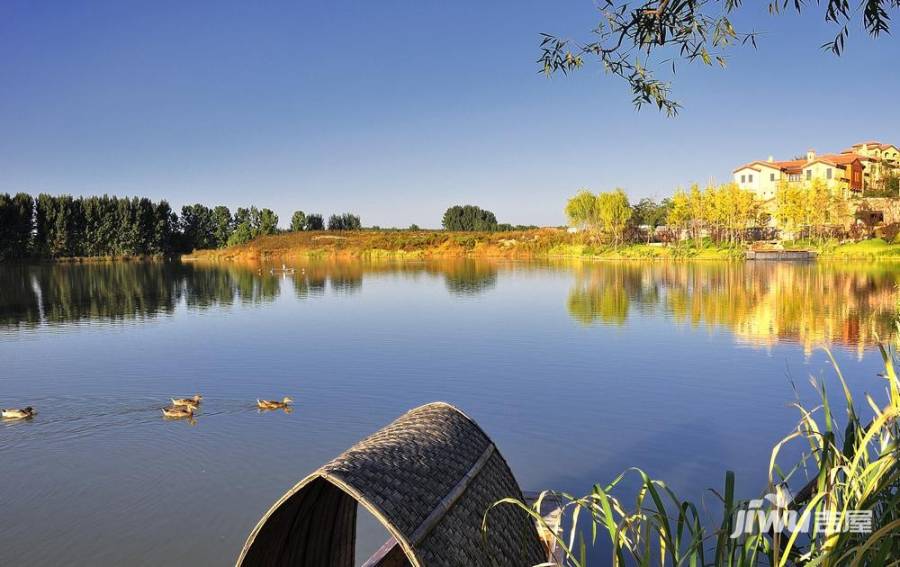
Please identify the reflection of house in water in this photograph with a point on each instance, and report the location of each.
(761, 304)
(821, 305)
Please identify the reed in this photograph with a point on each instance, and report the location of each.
(849, 464)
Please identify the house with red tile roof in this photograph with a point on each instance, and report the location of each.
(884, 159)
(861, 166)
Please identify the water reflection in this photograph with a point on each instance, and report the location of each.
(120, 291)
(467, 278)
(18, 297)
(761, 303)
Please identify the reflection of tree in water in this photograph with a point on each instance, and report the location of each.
(346, 278)
(208, 288)
(113, 290)
(18, 300)
(122, 290)
(253, 288)
(308, 285)
(761, 303)
(606, 304)
(60, 293)
(468, 277)
(311, 279)
(606, 294)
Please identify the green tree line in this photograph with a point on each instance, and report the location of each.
(58, 226)
(16, 225)
(204, 228)
(346, 221)
(65, 226)
(469, 218)
(61, 226)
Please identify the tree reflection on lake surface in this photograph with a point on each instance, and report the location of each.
(762, 303)
(63, 293)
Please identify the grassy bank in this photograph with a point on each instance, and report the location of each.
(539, 243)
(874, 249)
(394, 244)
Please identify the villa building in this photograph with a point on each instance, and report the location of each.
(854, 170)
(883, 159)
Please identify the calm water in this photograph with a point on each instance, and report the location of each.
(577, 371)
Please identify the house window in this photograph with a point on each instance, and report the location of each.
(750, 178)
(808, 174)
(743, 178)
(828, 173)
(771, 177)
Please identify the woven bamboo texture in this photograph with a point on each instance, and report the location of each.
(428, 477)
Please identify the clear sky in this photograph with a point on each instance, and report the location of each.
(396, 110)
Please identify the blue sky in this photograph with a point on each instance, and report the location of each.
(396, 110)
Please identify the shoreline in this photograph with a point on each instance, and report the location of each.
(542, 244)
(521, 245)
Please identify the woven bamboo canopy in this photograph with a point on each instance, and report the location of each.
(428, 477)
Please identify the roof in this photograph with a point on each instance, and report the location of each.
(878, 145)
(797, 165)
(428, 477)
(837, 160)
(792, 166)
(779, 165)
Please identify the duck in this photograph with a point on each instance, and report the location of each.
(273, 404)
(193, 402)
(178, 412)
(16, 413)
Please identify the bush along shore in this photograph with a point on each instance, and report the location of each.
(536, 243)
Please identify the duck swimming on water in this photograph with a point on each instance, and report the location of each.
(193, 402)
(178, 412)
(273, 404)
(16, 413)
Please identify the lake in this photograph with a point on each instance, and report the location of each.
(577, 371)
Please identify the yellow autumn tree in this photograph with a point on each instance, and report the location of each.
(581, 210)
(679, 215)
(698, 213)
(790, 207)
(613, 213)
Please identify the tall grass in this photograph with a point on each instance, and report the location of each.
(848, 464)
